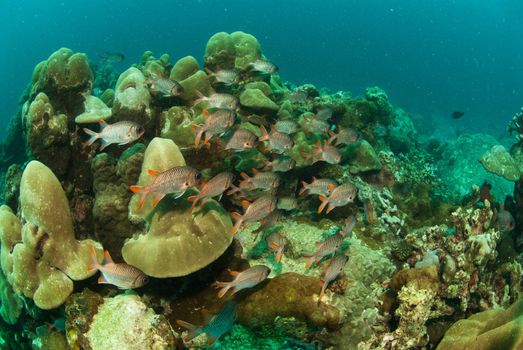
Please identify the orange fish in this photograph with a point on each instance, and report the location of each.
(278, 141)
(327, 247)
(243, 280)
(122, 275)
(215, 187)
(255, 211)
(334, 268)
(340, 196)
(277, 243)
(264, 181)
(216, 123)
(175, 180)
(325, 152)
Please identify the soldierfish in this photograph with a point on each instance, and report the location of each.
(225, 76)
(287, 203)
(276, 242)
(322, 187)
(344, 136)
(264, 181)
(315, 126)
(243, 280)
(175, 180)
(122, 275)
(164, 87)
(324, 114)
(286, 126)
(334, 268)
(350, 223)
(325, 152)
(254, 211)
(340, 196)
(263, 66)
(216, 100)
(280, 164)
(278, 141)
(213, 188)
(327, 247)
(120, 133)
(217, 326)
(241, 140)
(216, 123)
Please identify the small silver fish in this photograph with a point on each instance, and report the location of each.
(216, 100)
(216, 123)
(278, 142)
(339, 197)
(120, 133)
(122, 275)
(225, 76)
(175, 180)
(328, 247)
(243, 280)
(322, 187)
(334, 268)
(286, 126)
(241, 140)
(214, 188)
(350, 223)
(265, 181)
(263, 66)
(254, 211)
(287, 203)
(280, 164)
(164, 87)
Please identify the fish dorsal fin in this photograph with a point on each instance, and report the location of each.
(254, 171)
(245, 203)
(244, 176)
(274, 245)
(318, 244)
(234, 273)
(107, 258)
(314, 178)
(152, 172)
(102, 123)
(322, 197)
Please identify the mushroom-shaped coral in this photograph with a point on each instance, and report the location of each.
(94, 110)
(132, 100)
(177, 242)
(488, 330)
(235, 50)
(45, 257)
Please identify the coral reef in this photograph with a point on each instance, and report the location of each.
(426, 246)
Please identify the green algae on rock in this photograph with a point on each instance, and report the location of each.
(126, 323)
(184, 68)
(235, 50)
(362, 158)
(499, 161)
(257, 100)
(94, 110)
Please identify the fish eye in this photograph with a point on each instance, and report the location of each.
(198, 176)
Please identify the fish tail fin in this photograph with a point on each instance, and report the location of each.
(199, 133)
(209, 72)
(324, 202)
(239, 220)
(332, 135)
(141, 190)
(95, 264)
(279, 256)
(322, 292)
(194, 200)
(303, 188)
(194, 330)
(224, 288)
(265, 134)
(310, 261)
(93, 136)
(233, 190)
